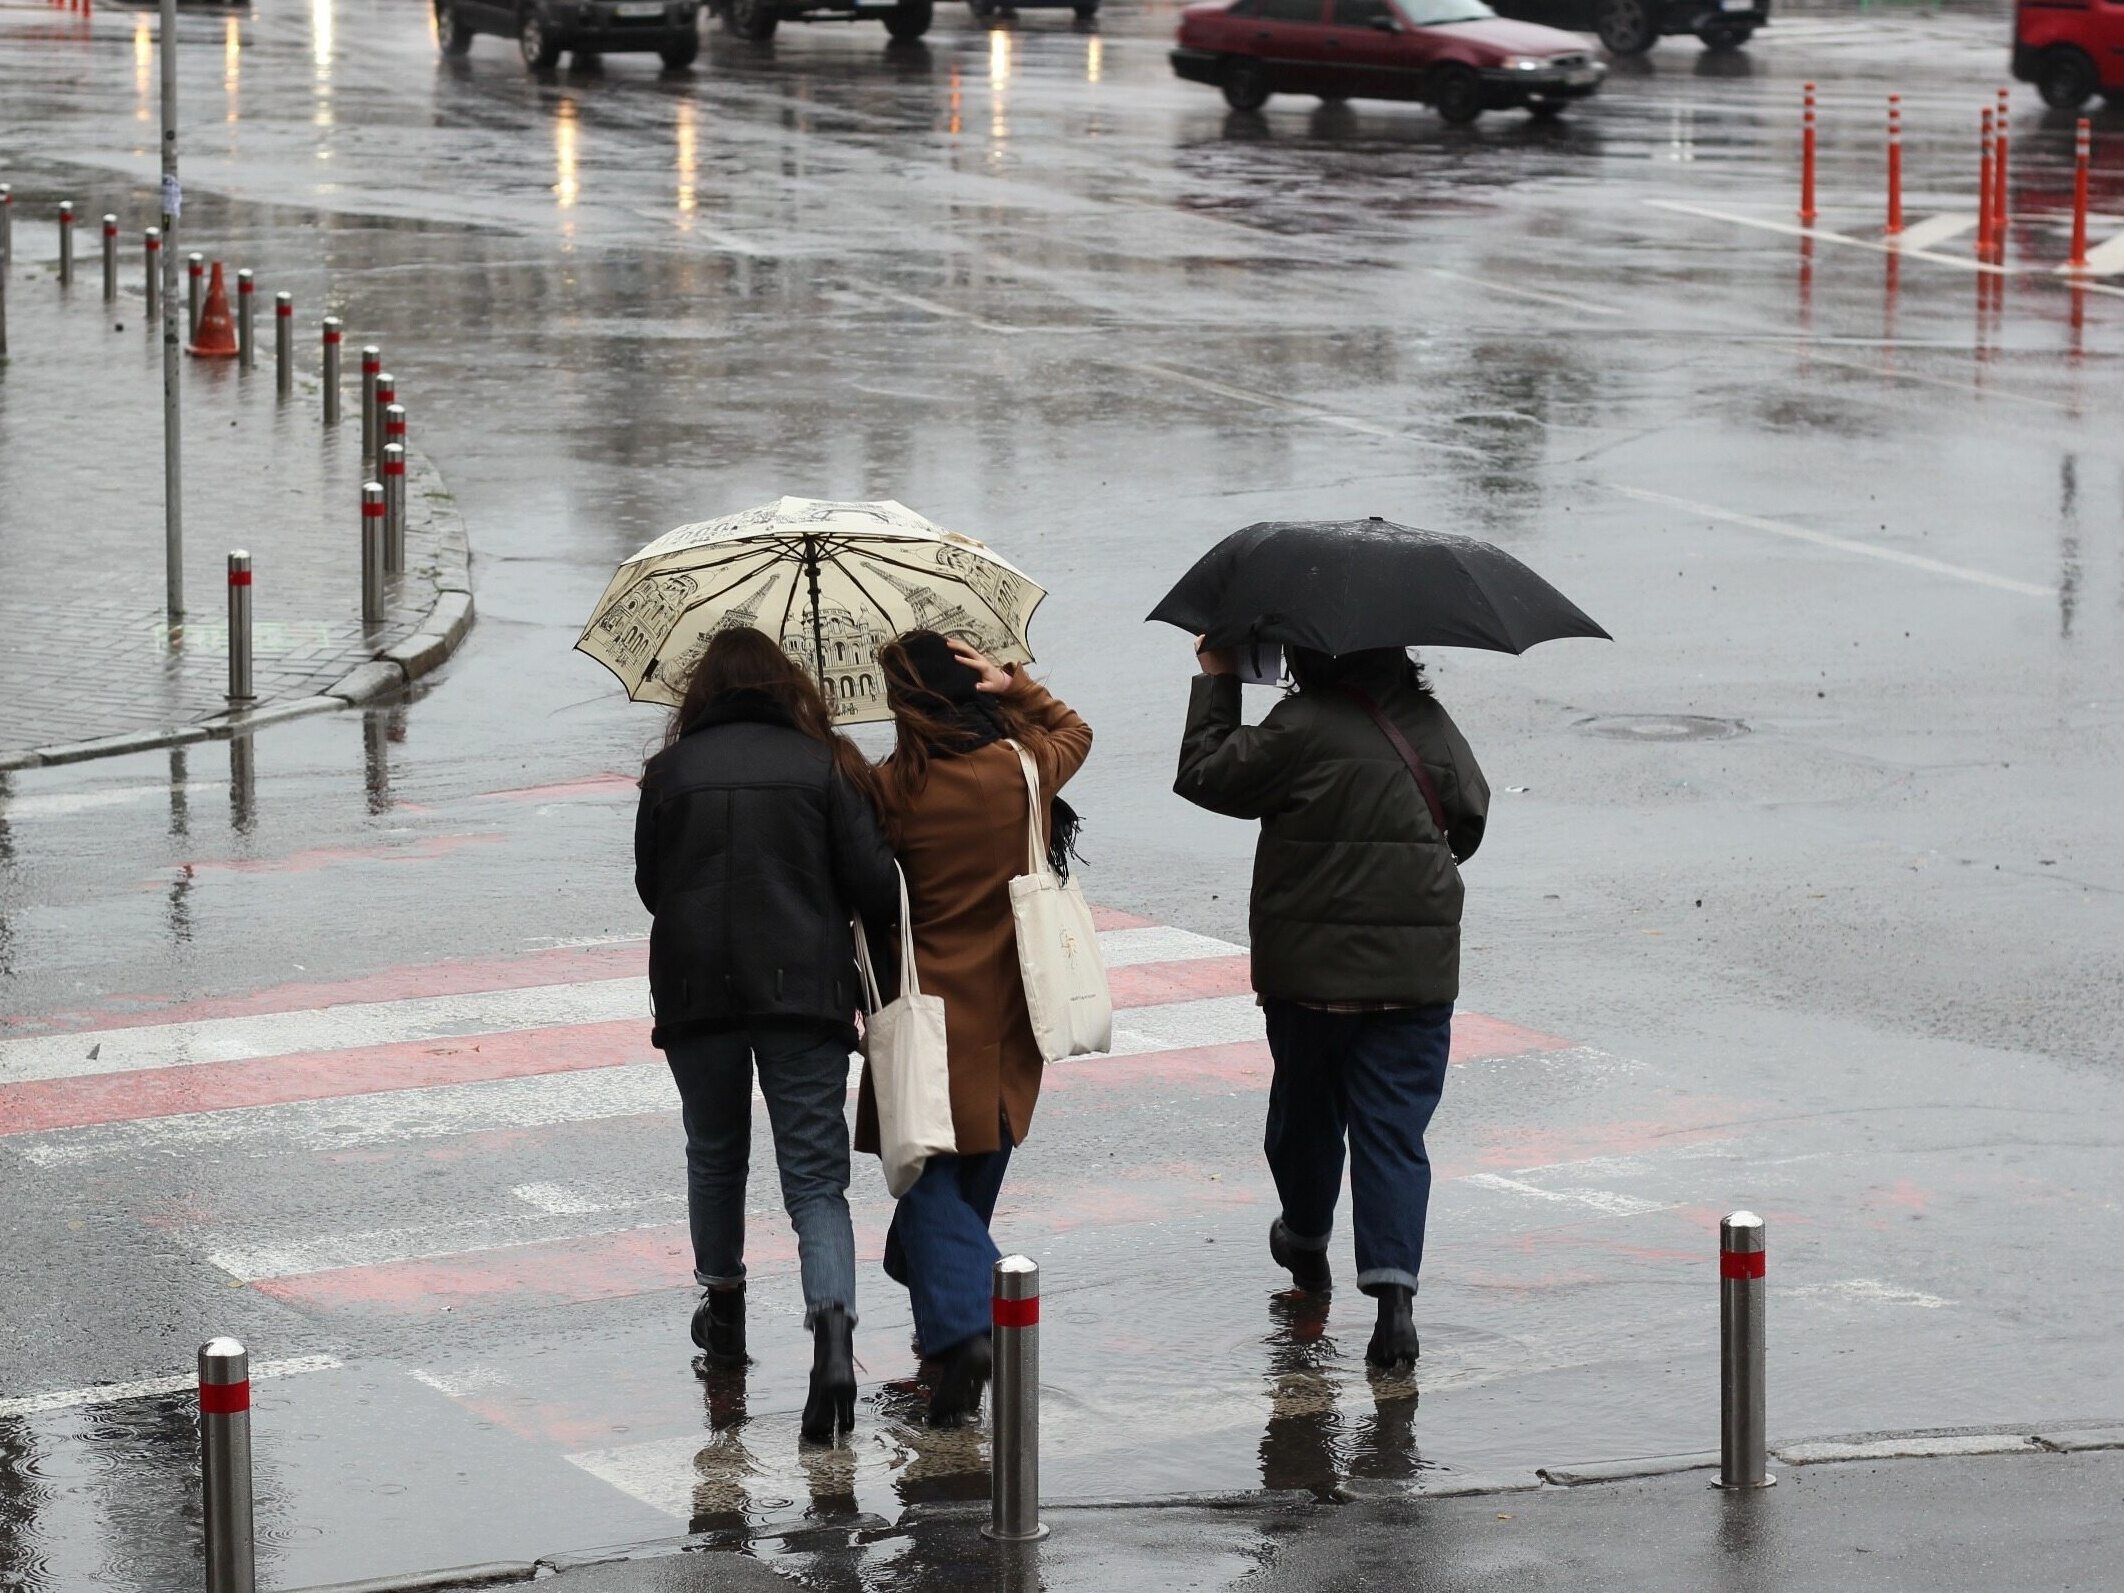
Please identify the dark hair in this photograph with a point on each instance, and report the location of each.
(743, 659)
(928, 724)
(1317, 671)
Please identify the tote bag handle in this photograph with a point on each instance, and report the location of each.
(1035, 855)
(909, 984)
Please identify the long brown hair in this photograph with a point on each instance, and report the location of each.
(743, 659)
(926, 725)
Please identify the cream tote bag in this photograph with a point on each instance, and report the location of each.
(910, 1071)
(1058, 950)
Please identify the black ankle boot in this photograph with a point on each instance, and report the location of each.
(830, 1406)
(719, 1325)
(1394, 1345)
(961, 1374)
(1308, 1268)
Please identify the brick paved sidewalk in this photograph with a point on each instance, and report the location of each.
(85, 652)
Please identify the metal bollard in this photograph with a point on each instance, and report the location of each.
(372, 553)
(371, 365)
(225, 1465)
(246, 321)
(284, 343)
(394, 484)
(1014, 1449)
(1998, 175)
(66, 244)
(332, 335)
(1983, 236)
(1744, 1445)
(1895, 165)
(386, 395)
(153, 239)
(2082, 148)
(110, 258)
(195, 265)
(1806, 208)
(239, 626)
(7, 225)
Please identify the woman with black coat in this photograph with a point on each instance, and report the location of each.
(754, 843)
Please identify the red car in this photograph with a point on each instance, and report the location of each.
(1456, 55)
(2070, 50)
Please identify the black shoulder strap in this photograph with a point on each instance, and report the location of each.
(1408, 755)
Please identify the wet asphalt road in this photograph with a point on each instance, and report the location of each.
(1813, 876)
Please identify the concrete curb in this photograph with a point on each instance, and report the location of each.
(442, 629)
(1929, 1443)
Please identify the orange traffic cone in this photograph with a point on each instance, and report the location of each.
(216, 336)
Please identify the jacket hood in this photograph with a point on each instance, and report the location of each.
(743, 707)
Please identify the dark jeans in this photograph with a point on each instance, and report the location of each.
(938, 1246)
(1374, 1077)
(804, 1077)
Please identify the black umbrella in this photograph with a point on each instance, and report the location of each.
(1341, 585)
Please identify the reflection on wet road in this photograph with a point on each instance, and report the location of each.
(1805, 896)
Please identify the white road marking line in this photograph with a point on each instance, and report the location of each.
(1634, 1166)
(364, 1023)
(57, 804)
(1129, 948)
(2106, 257)
(560, 1200)
(1877, 245)
(112, 1393)
(420, 1242)
(932, 307)
(1537, 296)
(1601, 1200)
(1248, 395)
(1872, 1291)
(582, 1095)
(1922, 235)
(462, 1384)
(1870, 550)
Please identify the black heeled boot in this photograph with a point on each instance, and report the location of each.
(719, 1325)
(830, 1406)
(961, 1374)
(1394, 1345)
(1308, 1268)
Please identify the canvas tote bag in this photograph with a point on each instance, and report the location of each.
(1058, 950)
(910, 1071)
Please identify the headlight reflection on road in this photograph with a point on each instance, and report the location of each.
(321, 19)
(232, 64)
(565, 186)
(999, 67)
(143, 69)
(688, 167)
(1094, 58)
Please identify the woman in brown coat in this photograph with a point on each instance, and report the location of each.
(954, 803)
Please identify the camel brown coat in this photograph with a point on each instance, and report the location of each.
(961, 841)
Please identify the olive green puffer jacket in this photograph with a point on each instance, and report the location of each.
(1356, 895)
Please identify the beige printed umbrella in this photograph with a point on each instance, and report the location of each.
(833, 582)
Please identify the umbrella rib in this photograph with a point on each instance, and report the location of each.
(959, 585)
(855, 581)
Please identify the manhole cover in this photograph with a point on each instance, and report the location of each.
(1662, 727)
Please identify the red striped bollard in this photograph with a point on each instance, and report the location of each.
(394, 485)
(246, 320)
(330, 369)
(1983, 238)
(7, 225)
(110, 258)
(372, 553)
(1014, 1448)
(1806, 209)
(371, 365)
(1895, 164)
(284, 343)
(1744, 1445)
(239, 626)
(152, 238)
(66, 244)
(225, 1466)
(1999, 209)
(2082, 152)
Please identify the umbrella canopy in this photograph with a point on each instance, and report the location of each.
(833, 582)
(1338, 586)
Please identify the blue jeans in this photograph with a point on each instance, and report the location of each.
(1374, 1077)
(938, 1246)
(804, 1077)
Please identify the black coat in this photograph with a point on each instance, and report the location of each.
(1356, 895)
(752, 850)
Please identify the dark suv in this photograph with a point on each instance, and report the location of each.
(1631, 27)
(544, 28)
(757, 19)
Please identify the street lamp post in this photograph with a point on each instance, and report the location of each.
(172, 203)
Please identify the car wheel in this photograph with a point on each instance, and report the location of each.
(1627, 27)
(1456, 93)
(752, 19)
(2066, 78)
(909, 20)
(677, 57)
(451, 34)
(1246, 84)
(1546, 110)
(541, 49)
(1718, 35)
(1087, 13)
